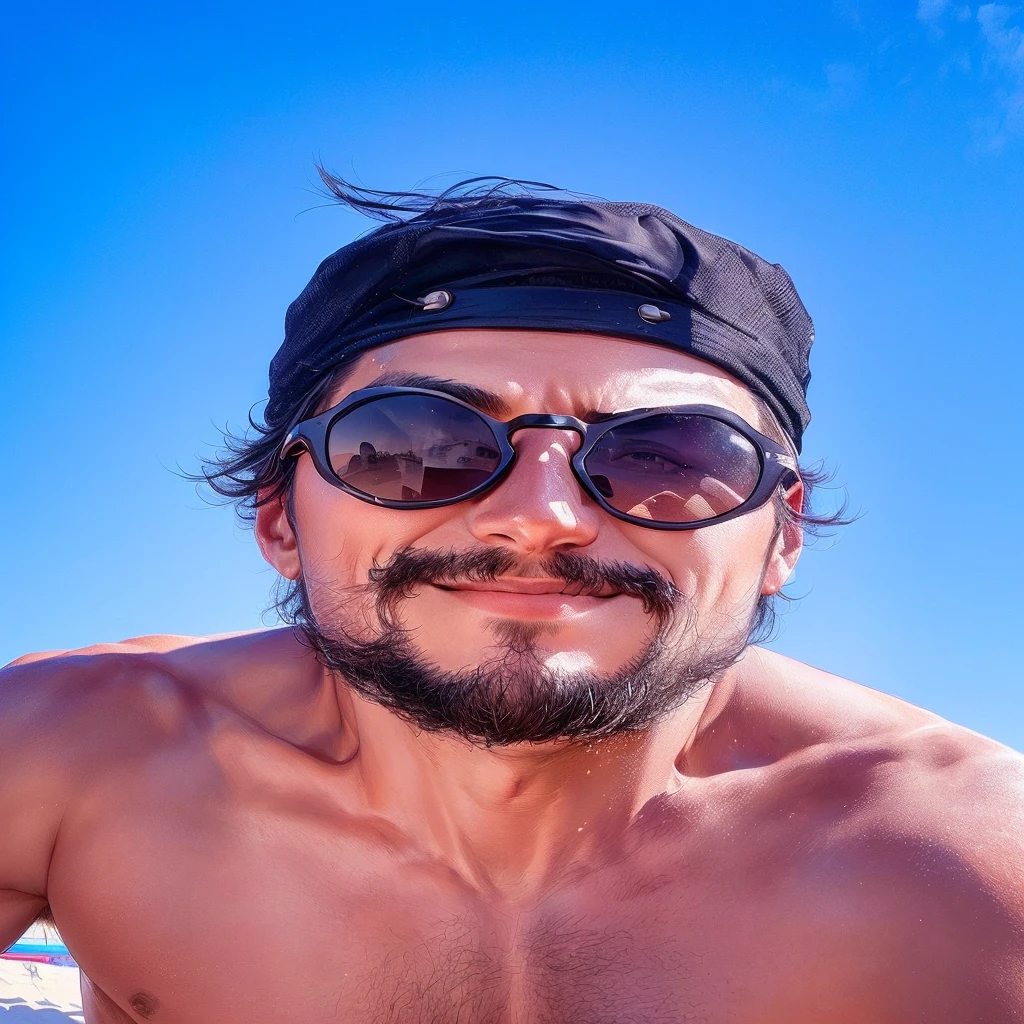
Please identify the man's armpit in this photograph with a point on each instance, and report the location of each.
(18, 910)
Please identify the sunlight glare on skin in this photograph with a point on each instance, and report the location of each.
(563, 513)
(569, 662)
(663, 386)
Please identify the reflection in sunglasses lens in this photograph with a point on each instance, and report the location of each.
(665, 468)
(674, 468)
(412, 448)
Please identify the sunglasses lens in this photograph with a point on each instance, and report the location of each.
(674, 468)
(412, 448)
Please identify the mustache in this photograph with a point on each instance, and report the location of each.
(410, 567)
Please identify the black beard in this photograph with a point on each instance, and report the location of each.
(514, 697)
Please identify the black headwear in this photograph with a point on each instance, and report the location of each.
(624, 269)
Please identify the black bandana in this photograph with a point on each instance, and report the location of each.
(623, 269)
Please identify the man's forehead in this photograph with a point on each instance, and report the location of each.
(587, 372)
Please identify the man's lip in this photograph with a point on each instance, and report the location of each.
(532, 585)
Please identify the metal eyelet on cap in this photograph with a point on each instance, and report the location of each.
(653, 314)
(434, 301)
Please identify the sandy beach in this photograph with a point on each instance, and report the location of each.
(33, 993)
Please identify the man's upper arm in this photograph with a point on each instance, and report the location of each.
(57, 715)
(68, 719)
(966, 938)
(33, 786)
(993, 841)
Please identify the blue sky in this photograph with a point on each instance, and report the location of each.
(159, 216)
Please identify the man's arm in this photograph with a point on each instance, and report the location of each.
(949, 840)
(978, 819)
(68, 718)
(36, 703)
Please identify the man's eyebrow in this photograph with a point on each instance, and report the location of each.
(487, 401)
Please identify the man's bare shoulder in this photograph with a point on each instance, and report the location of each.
(161, 685)
(895, 765)
(802, 706)
(67, 722)
(155, 644)
(73, 700)
(913, 824)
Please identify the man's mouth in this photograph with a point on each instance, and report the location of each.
(564, 585)
(532, 585)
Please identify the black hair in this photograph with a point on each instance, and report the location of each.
(470, 194)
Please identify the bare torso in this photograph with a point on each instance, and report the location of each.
(215, 863)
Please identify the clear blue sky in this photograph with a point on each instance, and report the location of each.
(158, 218)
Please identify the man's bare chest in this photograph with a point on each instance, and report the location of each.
(190, 905)
(390, 962)
(256, 915)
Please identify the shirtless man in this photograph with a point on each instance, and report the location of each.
(516, 761)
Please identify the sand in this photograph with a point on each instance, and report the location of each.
(39, 993)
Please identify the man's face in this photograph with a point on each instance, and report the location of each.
(502, 638)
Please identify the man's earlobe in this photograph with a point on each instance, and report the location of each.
(275, 536)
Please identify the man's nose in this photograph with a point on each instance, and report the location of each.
(539, 507)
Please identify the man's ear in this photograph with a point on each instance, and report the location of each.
(788, 544)
(275, 535)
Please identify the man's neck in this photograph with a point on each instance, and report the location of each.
(509, 820)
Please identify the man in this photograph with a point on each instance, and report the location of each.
(529, 470)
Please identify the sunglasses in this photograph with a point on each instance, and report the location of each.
(674, 468)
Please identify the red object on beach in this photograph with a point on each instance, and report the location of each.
(54, 954)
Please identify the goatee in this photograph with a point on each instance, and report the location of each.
(515, 697)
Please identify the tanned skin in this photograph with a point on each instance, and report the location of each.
(226, 832)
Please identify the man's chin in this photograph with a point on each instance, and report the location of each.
(521, 689)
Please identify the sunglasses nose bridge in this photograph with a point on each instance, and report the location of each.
(547, 421)
(540, 451)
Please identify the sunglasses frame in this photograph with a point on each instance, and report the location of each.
(312, 435)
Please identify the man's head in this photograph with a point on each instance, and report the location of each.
(527, 611)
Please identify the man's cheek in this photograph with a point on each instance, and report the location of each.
(724, 561)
